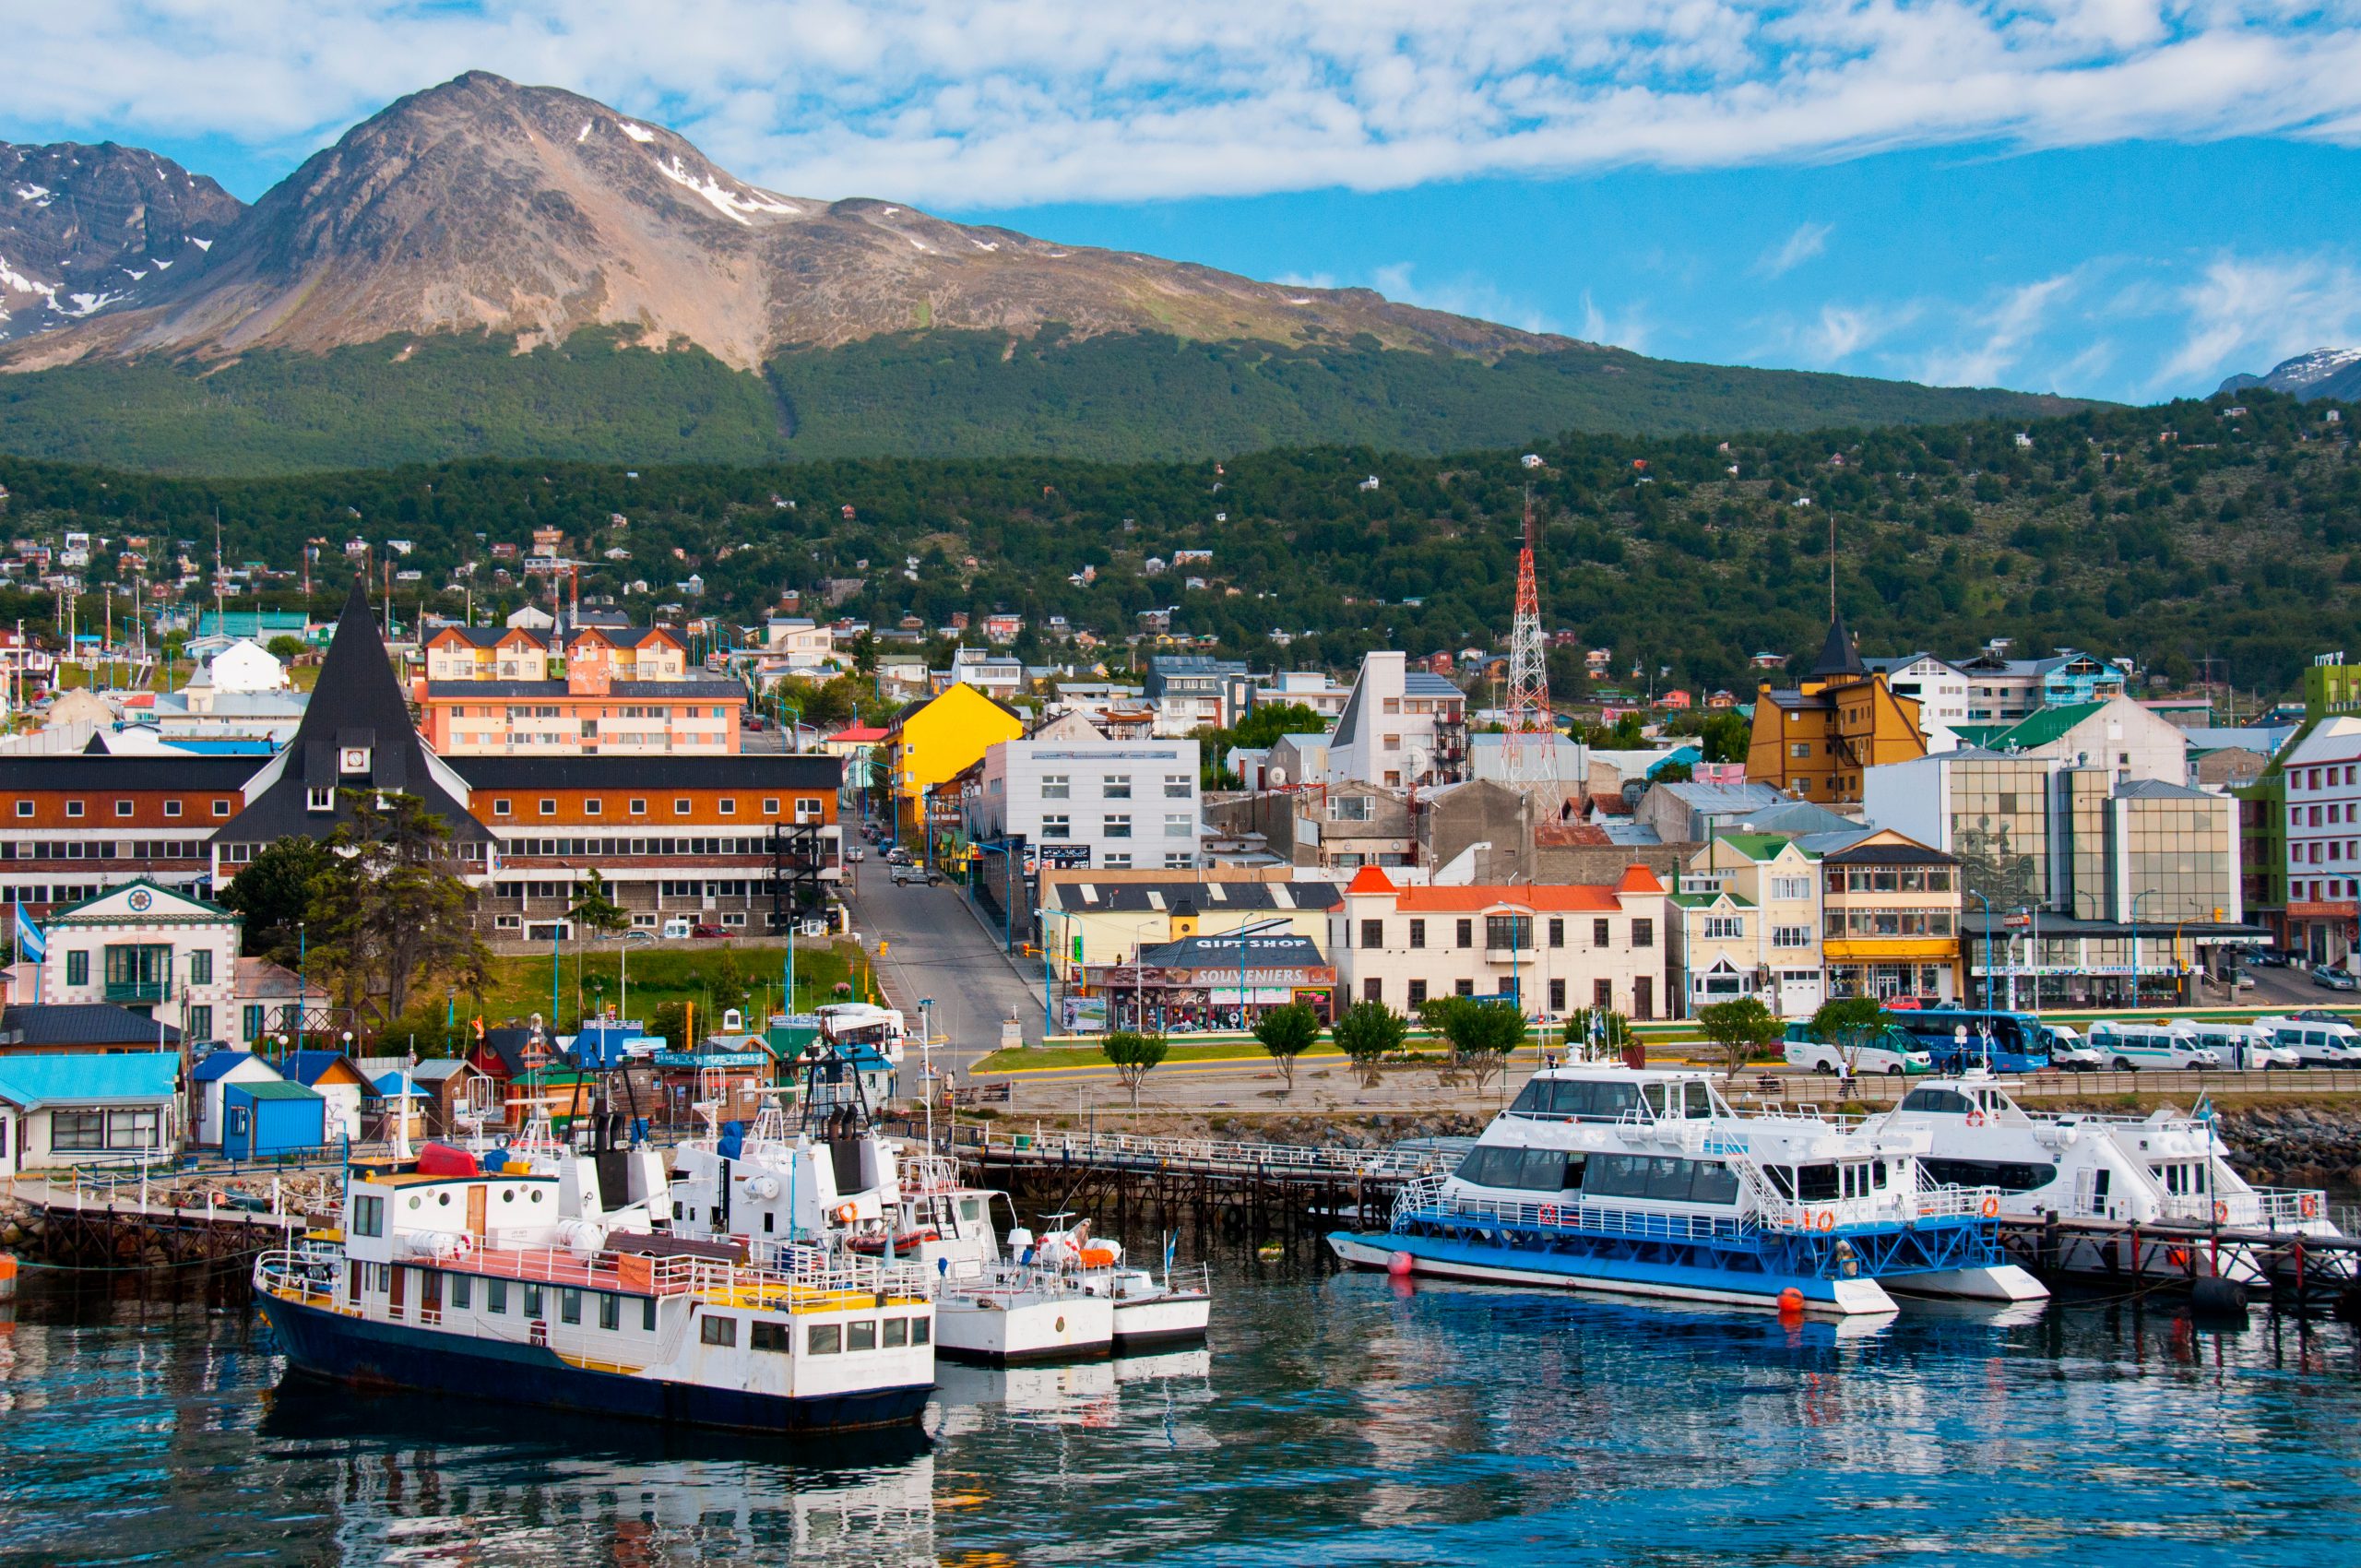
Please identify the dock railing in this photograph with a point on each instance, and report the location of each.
(1201, 1155)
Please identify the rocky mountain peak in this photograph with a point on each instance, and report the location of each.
(84, 228)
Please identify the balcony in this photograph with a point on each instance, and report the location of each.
(137, 990)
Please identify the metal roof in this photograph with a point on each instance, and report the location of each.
(82, 1023)
(76, 1078)
(1205, 898)
(749, 770)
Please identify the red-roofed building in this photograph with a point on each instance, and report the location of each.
(1560, 948)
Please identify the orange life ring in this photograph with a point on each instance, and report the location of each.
(845, 1213)
(2308, 1207)
(2177, 1257)
(1549, 1214)
(2221, 1213)
(1976, 1118)
(1991, 1208)
(1827, 1220)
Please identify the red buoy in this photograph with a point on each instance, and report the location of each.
(1399, 1265)
(1791, 1302)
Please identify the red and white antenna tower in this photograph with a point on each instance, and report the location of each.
(1530, 747)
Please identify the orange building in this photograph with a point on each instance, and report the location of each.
(1813, 741)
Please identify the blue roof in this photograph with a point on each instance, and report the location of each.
(74, 1078)
(220, 1064)
(392, 1084)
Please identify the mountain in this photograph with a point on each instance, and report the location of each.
(2323, 373)
(85, 228)
(485, 267)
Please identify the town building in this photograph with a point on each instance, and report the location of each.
(1306, 688)
(1937, 685)
(1193, 691)
(1400, 728)
(2112, 733)
(60, 1109)
(1813, 741)
(930, 743)
(2322, 775)
(82, 822)
(1087, 800)
(2001, 689)
(165, 955)
(209, 1078)
(1093, 919)
(487, 653)
(1195, 981)
(587, 713)
(1747, 922)
(1555, 950)
(1889, 919)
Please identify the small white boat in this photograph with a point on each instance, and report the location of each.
(1149, 1311)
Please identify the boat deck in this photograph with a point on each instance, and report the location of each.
(714, 1283)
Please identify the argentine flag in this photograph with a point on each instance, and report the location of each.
(31, 946)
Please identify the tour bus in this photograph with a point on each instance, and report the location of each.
(1960, 1037)
(2240, 1046)
(1892, 1053)
(2315, 1043)
(2128, 1047)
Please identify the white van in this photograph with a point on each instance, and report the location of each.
(1896, 1054)
(677, 927)
(2126, 1048)
(2240, 1046)
(2315, 1044)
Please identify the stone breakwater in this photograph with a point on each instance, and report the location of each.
(2295, 1146)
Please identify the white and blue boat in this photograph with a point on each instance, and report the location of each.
(1645, 1182)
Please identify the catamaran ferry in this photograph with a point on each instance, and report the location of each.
(511, 1282)
(1644, 1182)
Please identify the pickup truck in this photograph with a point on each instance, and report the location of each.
(928, 875)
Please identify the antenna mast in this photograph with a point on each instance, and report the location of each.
(1530, 747)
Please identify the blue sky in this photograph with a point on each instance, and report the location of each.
(2123, 198)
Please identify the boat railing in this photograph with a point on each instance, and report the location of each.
(1950, 1201)
(306, 1273)
(1206, 1153)
(2268, 1208)
(1425, 1199)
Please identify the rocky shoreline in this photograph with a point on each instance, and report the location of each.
(2295, 1146)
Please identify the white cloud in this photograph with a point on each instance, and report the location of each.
(1628, 332)
(2000, 333)
(2249, 313)
(1809, 240)
(978, 102)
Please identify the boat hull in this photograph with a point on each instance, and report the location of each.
(1180, 1318)
(1446, 1258)
(996, 1332)
(331, 1346)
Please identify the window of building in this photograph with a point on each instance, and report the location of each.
(1178, 786)
(250, 1021)
(1723, 927)
(1118, 859)
(639, 807)
(1119, 787)
(1348, 808)
(1372, 990)
(1417, 933)
(1643, 933)
(1468, 933)
(1056, 787)
(1178, 826)
(24, 808)
(317, 797)
(1372, 933)
(729, 805)
(1557, 997)
(1115, 826)
(1507, 931)
(200, 967)
(1057, 825)
(1788, 888)
(1179, 860)
(172, 808)
(1598, 933)
(1418, 995)
(1464, 988)
(1557, 931)
(123, 808)
(1602, 993)
(1791, 936)
(680, 805)
(770, 805)
(78, 967)
(809, 807)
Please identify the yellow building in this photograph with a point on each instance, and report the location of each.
(1890, 914)
(1814, 739)
(1747, 923)
(931, 743)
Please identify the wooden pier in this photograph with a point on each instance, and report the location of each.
(112, 1230)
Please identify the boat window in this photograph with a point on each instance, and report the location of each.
(1527, 1169)
(1584, 1100)
(779, 1336)
(861, 1336)
(461, 1289)
(1946, 1101)
(532, 1300)
(824, 1339)
(922, 1330)
(611, 1310)
(569, 1306)
(1781, 1181)
(1701, 1099)
(971, 1209)
(897, 1332)
(1535, 1096)
(719, 1330)
(648, 1313)
(1659, 1177)
(368, 1215)
(1652, 1095)
(495, 1295)
(2009, 1175)
(1877, 1172)
(1814, 1182)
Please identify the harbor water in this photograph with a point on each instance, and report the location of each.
(1335, 1419)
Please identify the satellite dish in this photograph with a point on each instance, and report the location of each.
(1419, 760)
(1275, 776)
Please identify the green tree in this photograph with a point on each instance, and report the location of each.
(1369, 1032)
(284, 647)
(1287, 1033)
(1742, 1029)
(274, 892)
(1849, 1023)
(1136, 1055)
(1482, 1034)
(391, 911)
(1614, 1033)
(595, 910)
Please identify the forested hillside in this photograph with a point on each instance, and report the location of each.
(1117, 397)
(2170, 534)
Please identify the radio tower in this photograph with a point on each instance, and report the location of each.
(1530, 747)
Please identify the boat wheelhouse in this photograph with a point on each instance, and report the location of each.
(511, 1283)
(1643, 1181)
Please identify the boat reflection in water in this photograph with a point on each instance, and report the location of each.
(429, 1479)
(1081, 1393)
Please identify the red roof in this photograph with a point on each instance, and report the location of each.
(1369, 879)
(858, 735)
(1563, 897)
(1638, 878)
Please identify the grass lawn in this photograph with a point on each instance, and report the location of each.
(713, 977)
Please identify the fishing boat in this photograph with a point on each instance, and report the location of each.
(1173, 1309)
(1642, 1181)
(826, 1176)
(2130, 1182)
(511, 1282)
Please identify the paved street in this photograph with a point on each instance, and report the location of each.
(934, 947)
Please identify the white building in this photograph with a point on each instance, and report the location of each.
(161, 954)
(1311, 688)
(2323, 772)
(796, 646)
(1938, 687)
(247, 666)
(1558, 949)
(1400, 727)
(996, 675)
(1113, 804)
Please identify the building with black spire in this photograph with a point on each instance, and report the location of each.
(1814, 739)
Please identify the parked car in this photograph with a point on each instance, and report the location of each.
(906, 874)
(2335, 978)
(2271, 957)
(2322, 1016)
(708, 931)
(2069, 1053)
(2318, 1043)
(2130, 1046)
(2241, 1046)
(897, 856)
